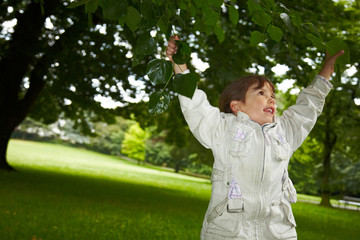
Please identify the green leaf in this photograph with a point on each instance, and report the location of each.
(215, 3)
(145, 44)
(198, 3)
(275, 32)
(121, 21)
(183, 53)
(185, 84)
(77, 4)
(159, 71)
(257, 37)
(133, 18)
(261, 18)
(219, 32)
(159, 102)
(312, 28)
(164, 26)
(270, 4)
(233, 15)
(211, 17)
(296, 19)
(183, 5)
(253, 7)
(192, 10)
(91, 6)
(202, 27)
(146, 9)
(114, 9)
(316, 41)
(335, 45)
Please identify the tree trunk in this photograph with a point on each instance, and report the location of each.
(19, 61)
(4, 140)
(12, 114)
(329, 143)
(177, 166)
(325, 186)
(14, 65)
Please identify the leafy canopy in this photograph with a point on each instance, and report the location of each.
(273, 22)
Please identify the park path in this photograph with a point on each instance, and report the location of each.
(344, 206)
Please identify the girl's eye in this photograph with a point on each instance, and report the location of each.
(261, 92)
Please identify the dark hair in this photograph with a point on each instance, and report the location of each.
(237, 90)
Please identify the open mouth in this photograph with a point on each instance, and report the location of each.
(269, 110)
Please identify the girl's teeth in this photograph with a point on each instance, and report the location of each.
(269, 110)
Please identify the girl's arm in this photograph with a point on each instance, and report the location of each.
(299, 119)
(202, 118)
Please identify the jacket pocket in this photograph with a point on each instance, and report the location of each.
(281, 148)
(239, 142)
(221, 222)
(282, 222)
(289, 189)
(217, 175)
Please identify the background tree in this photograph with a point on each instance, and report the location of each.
(158, 152)
(55, 63)
(134, 143)
(108, 138)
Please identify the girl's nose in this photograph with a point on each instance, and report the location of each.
(271, 100)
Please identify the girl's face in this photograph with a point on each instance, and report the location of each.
(259, 104)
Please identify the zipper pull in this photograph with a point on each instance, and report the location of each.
(267, 139)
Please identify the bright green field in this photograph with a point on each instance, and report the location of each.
(65, 193)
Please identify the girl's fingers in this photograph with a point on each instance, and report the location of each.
(171, 48)
(338, 54)
(330, 60)
(172, 45)
(170, 53)
(173, 38)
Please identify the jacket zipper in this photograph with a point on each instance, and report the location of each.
(266, 142)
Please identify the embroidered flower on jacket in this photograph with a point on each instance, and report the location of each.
(281, 138)
(234, 190)
(240, 135)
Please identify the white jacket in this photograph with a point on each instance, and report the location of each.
(251, 190)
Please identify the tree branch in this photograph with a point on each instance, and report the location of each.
(69, 37)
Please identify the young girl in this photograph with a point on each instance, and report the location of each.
(251, 190)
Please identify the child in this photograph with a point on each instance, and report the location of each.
(251, 190)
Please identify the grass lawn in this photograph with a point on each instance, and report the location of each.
(65, 193)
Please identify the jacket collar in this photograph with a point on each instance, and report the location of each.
(244, 118)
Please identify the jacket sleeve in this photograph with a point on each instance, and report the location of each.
(202, 118)
(299, 119)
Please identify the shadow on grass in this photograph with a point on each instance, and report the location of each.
(51, 205)
(94, 188)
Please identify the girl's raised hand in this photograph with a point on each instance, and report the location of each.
(170, 51)
(171, 48)
(329, 63)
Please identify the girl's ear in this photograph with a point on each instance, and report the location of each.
(235, 106)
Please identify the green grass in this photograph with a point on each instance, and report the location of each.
(316, 222)
(65, 193)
